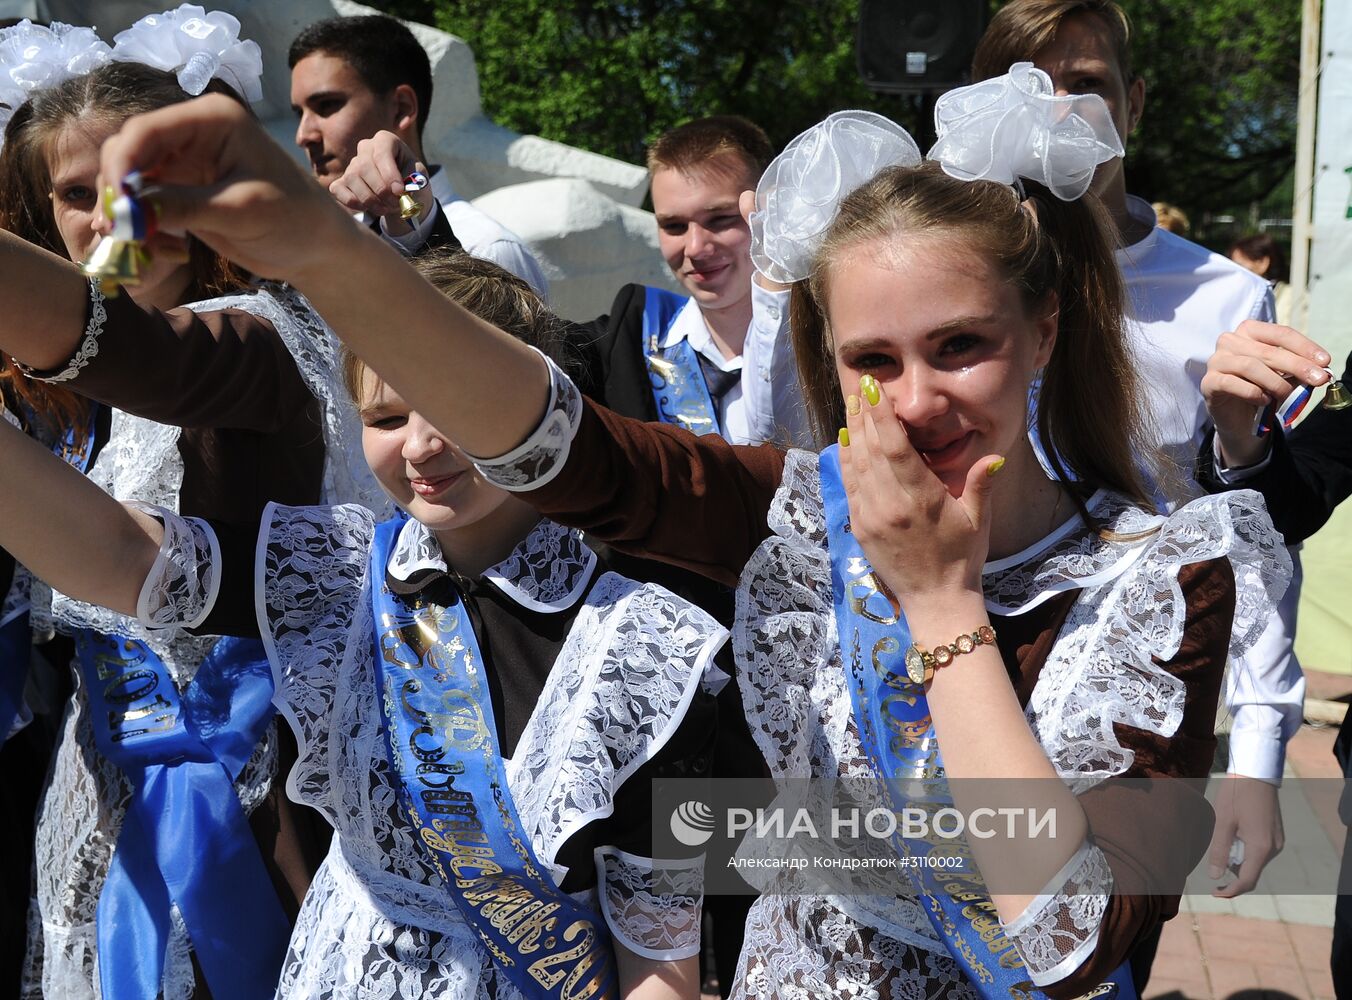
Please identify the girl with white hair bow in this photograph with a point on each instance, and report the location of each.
(921, 605)
(220, 397)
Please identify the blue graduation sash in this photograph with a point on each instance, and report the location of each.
(442, 744)
(677, 381)
(16, 639)
(897, 734)
(185, 839)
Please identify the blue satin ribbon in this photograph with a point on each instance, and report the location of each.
(897, 734)
(674, 372)
(185, 839)
(442, 743)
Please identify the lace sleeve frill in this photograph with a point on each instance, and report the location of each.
(538, 459)
(1112, 665)
(181, 587)
(652, 907)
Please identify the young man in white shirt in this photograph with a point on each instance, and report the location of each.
(1181, 297)
(352, 77)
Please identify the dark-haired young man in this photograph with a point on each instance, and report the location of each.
(352, 77)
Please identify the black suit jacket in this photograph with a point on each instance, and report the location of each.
(1308, 475)
(617, 373)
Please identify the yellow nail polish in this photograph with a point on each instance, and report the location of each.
(852, 405)
(995, 466)
(844, 437)
(109, 196)
(872, 391)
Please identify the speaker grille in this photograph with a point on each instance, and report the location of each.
(918, 45)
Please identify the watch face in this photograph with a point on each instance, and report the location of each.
(915, 665)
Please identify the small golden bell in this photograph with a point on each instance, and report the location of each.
(408, 207)
(114, 263)
(1337, 397)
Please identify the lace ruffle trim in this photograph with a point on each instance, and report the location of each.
(537, 460)
(1060, 927)
(181, 588)
(652, 907)
(89, 343)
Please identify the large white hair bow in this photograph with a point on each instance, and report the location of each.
(1015, 126)
(33, 57)
(800, 193)
(197, 46)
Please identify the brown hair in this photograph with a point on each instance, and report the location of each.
(493, 294)
(1089, 417)
(1256, 246)
(1022, 28)
(692, 145)
(110, 95)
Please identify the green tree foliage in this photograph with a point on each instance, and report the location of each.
(1221, 78)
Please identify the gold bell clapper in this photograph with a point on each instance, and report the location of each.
(408, 205)
(118, 257)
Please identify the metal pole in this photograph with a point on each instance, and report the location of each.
(1302, 214)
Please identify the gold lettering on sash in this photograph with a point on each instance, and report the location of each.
(453, 830)
(859, 590)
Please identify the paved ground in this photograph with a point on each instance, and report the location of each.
(1261, 947)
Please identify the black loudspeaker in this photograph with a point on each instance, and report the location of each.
(918, 46)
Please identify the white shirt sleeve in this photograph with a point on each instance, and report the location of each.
(771, 393)
(1237, 476)
(1265, 693)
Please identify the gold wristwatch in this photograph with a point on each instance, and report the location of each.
(920, 665)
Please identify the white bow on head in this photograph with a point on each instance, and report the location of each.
(33, 57)
(197, 46)
(1015, 126)
(800, 193)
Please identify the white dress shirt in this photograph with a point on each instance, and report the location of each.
(769, 381)
(1181, 298)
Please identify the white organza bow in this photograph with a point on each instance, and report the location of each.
(1015, 126)
(197, 46)
(33, 57)
(801, 191)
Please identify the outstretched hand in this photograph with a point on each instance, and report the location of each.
(374, 181)
(1256, 366)
(926, 544)
(216, 174)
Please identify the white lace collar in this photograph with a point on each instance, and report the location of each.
(1068, 558)
(548, 571)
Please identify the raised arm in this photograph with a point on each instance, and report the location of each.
(482, 387)
(69, 532)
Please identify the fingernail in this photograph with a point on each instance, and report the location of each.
(844, 435)
(1322, 358)
(995, 466)
(873, 392)
(109, 196)
(1214, 872)
(852, 405)
(1318, 375)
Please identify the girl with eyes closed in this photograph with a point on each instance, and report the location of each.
(923, 601)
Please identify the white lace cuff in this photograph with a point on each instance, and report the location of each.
(182, 585)
(89, 344)
(541, 456)
(653, 907)
(1060, 927)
